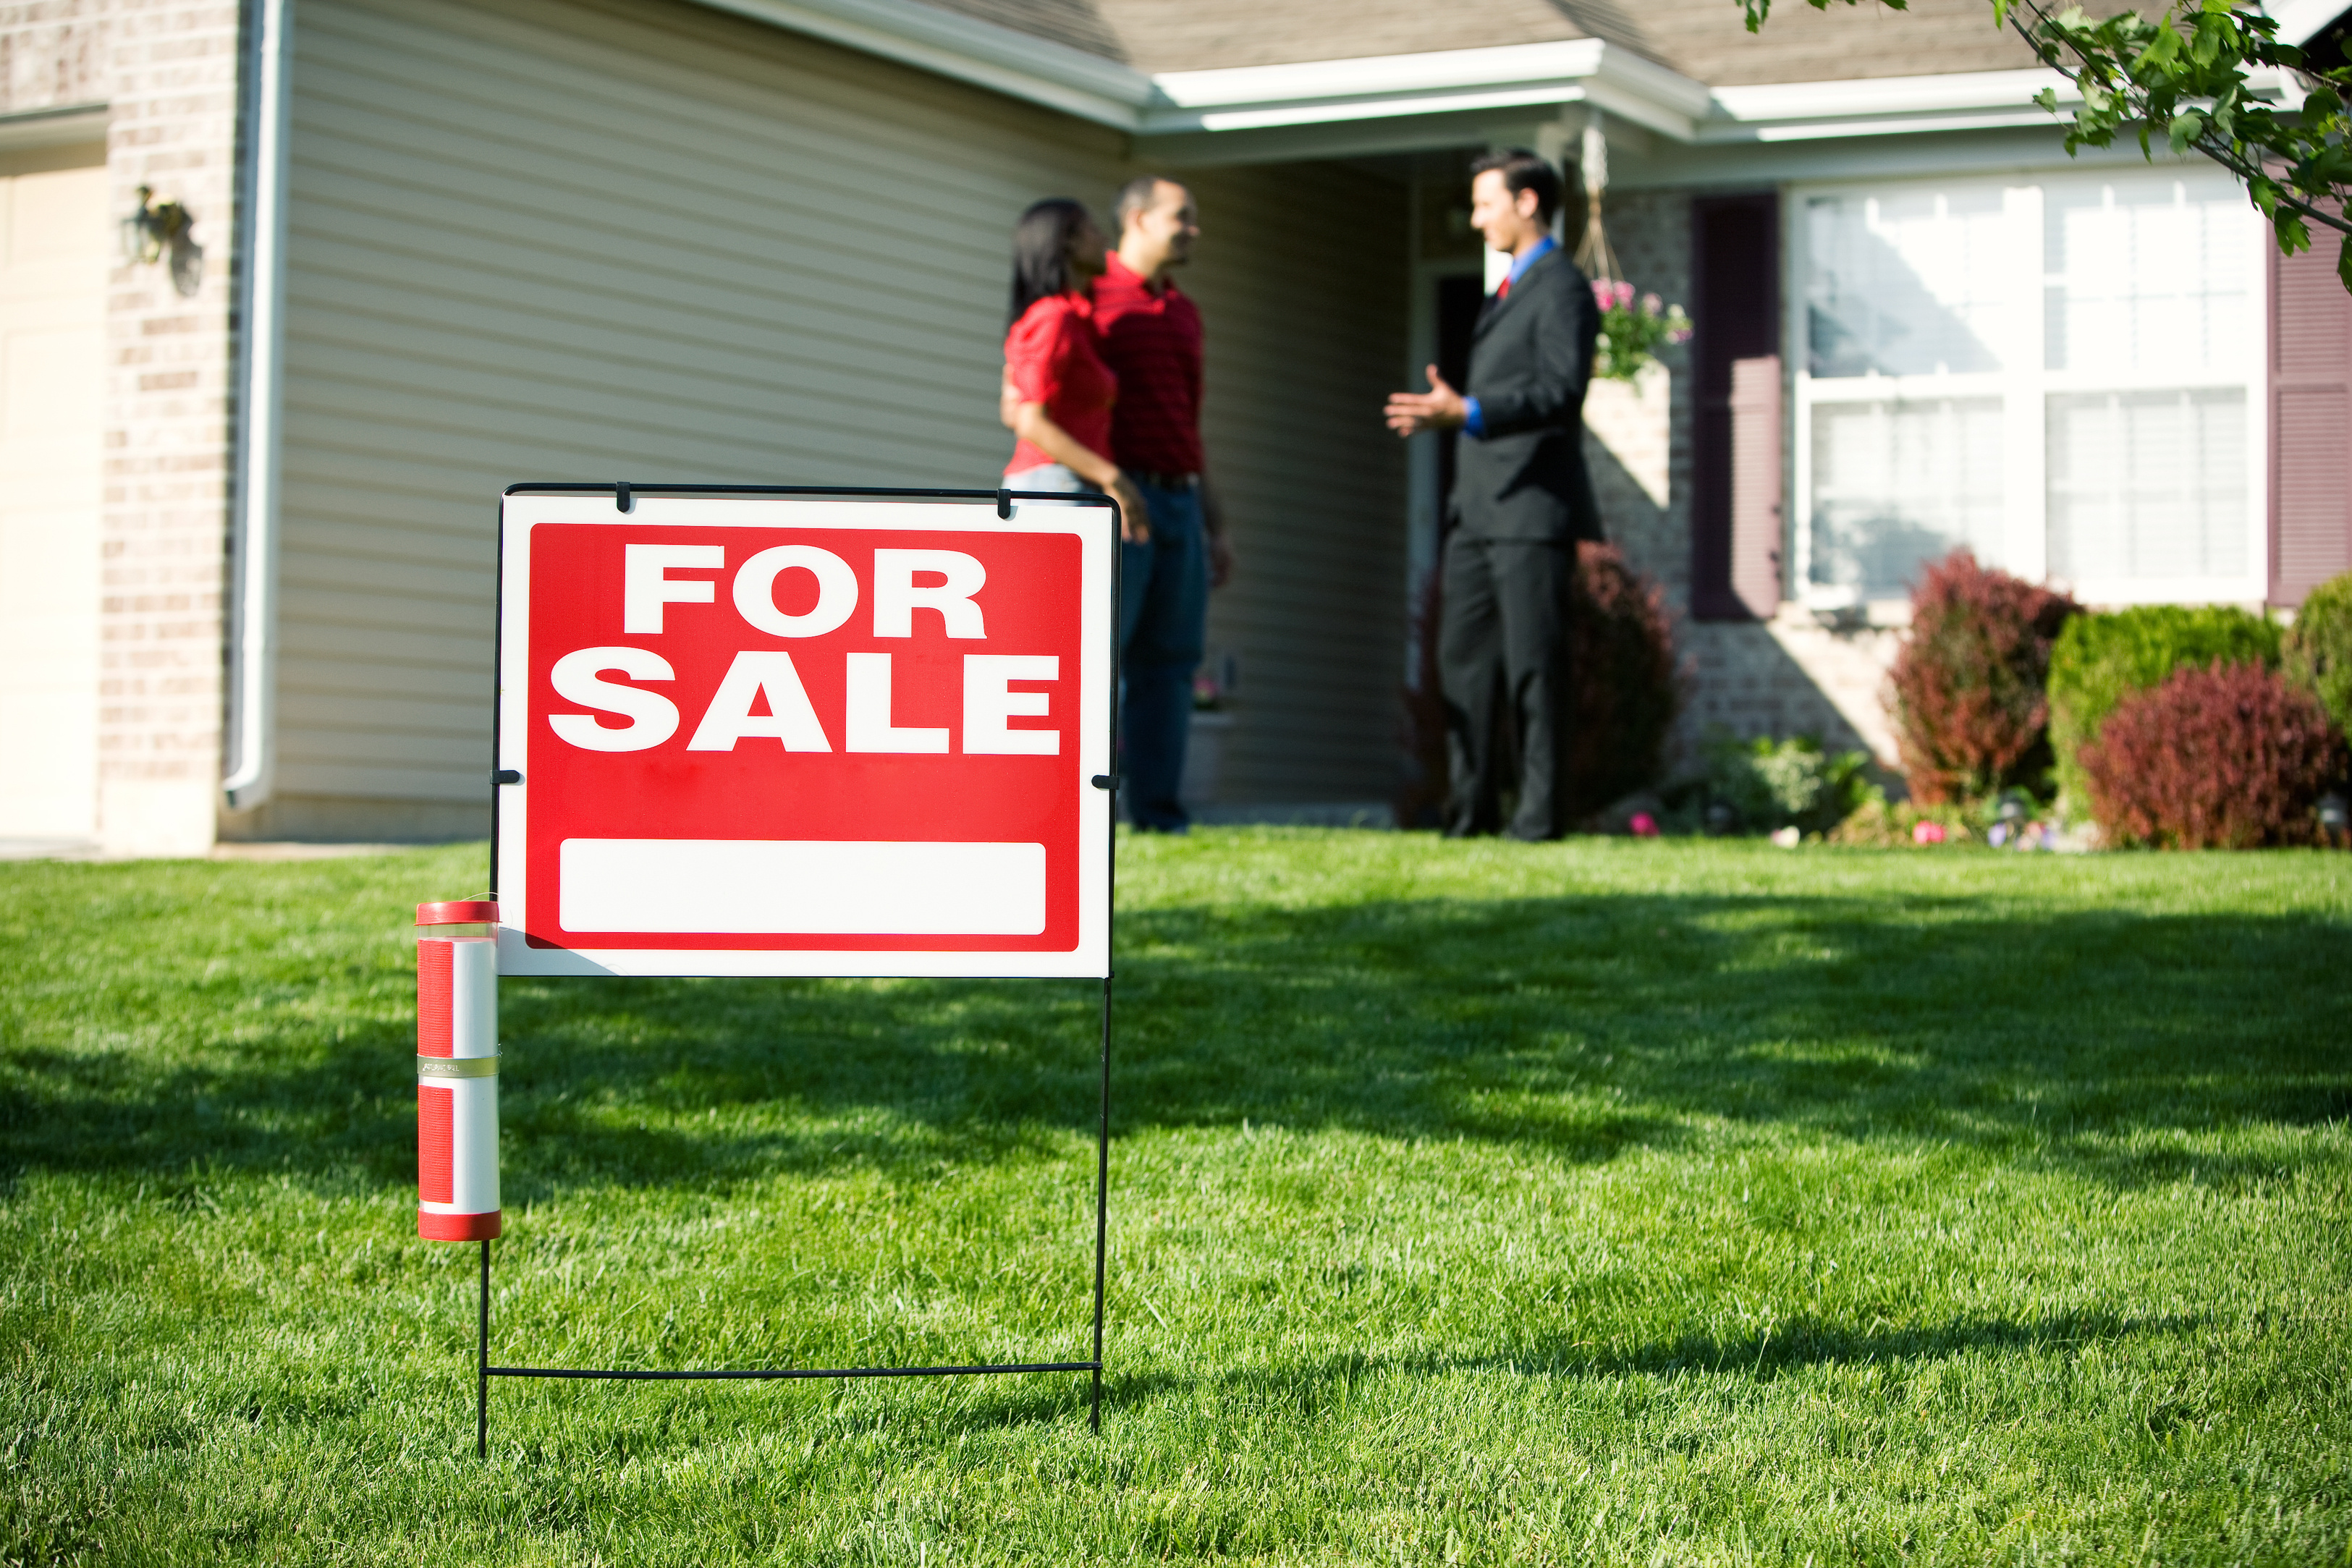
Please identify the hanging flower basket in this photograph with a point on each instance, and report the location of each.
(1631, 334)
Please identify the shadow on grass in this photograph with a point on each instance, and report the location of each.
(1789, 1347)
(1570, 1028)
(1794, 1345)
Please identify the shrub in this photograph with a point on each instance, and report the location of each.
(2102, 659)
(2316, 651)
(1968, 688)
(1628, 689)
(2227, 757)
(1628, 685)
(1770, 784)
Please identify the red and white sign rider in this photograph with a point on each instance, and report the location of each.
(456, 1071)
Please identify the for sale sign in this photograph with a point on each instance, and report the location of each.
(763, 735)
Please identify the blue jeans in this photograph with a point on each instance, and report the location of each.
(1164, 617)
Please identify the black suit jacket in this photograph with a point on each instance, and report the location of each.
(1525, 479)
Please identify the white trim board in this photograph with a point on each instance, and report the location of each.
(66, 126)
(1877, 106)
(2299, 19)
(1448, 81)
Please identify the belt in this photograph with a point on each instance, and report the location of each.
(1164, 481)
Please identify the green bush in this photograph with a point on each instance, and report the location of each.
(2317, 649)
(2101, 659)
(1766, 785)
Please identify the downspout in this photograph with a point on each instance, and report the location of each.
(251, 753)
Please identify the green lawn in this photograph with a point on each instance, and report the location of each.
(1608, 1201)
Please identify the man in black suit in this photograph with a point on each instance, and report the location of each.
(1521, 501)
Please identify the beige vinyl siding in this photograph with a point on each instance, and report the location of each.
(536, 240)
(1302, 286)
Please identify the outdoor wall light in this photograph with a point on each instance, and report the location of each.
(159, 231)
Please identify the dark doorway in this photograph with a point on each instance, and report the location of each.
(1458, 301)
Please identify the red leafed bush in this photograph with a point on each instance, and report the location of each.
(1628, 690)
(2225, 758)
(1968, 690)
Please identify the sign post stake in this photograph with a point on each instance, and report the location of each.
(482, 1365)
(729, 825)
(1102, 1204)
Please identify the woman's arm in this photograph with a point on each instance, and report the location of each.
(1032, 424)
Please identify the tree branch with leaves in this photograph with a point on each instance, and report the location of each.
(2183, 77)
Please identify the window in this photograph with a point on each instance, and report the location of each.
(2057, 375)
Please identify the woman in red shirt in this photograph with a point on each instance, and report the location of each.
(1061, 389)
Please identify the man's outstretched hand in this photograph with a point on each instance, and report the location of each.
(1439, 408)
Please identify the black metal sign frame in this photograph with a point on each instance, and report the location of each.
(623, 497)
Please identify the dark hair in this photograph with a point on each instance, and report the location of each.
(1138, 193)
(1041, 251)
(1523, 170)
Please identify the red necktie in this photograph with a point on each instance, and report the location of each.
(1505, 291)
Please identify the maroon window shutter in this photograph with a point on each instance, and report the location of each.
(2311, 422)
(1736, 490)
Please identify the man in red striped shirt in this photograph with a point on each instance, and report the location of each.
(1151, 341)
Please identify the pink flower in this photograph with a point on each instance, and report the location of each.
(1603, 292)
(1652, 305)
(1927, 833)
(1643, 825)
(1624, 295)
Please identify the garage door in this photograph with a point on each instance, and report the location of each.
(54, 242)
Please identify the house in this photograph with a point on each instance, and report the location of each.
(246, 488)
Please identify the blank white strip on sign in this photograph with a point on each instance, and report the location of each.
(811, 886)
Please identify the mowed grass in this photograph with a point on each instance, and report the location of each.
(1608, 1202)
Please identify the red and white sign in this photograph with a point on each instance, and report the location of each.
(804, 736)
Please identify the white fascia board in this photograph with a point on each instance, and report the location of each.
(1890, 125)
(1964, 100)
(1000, 59)
(1267, 117)
(1381, 74)
(1880, 106)
(1256, 98)
(2299, 19)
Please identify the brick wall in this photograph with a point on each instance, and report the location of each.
(171, 69)
(167, 72)
(51, 54)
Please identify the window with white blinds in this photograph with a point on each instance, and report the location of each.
(2057, 374)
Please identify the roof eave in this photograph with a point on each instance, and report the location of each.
(1253, 97)
(1453, 81)
(965, 49)
(1441, 89)
(1882, 106)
